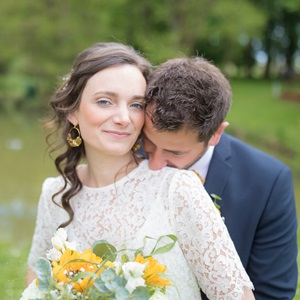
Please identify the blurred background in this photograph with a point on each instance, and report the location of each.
(256, 43)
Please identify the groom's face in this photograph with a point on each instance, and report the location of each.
(175, 149)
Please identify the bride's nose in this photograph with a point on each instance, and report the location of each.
(121, 115)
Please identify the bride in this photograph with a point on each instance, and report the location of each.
(105, 191)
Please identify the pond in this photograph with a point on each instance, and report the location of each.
(24, 165)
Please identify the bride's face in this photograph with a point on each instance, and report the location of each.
(111, 110)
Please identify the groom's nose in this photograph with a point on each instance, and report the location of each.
(156, 160)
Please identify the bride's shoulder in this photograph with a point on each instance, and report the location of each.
(52, 183)
(176, 174)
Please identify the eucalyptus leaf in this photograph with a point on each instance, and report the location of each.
(43, 274)
(140, 293)
(100, 285)
(108, 275)
(122, 294)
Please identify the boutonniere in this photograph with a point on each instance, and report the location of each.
(216, 198)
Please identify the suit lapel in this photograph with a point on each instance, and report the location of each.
(219, 168)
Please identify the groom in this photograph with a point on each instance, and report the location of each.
(187, 101)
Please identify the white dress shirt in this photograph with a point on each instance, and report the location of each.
(202, 165)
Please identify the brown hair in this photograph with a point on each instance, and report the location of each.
(66, 100)
(190, 94)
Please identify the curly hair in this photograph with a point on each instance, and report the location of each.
(188, 94)
(66, 100)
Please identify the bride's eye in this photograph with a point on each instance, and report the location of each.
(103, 101)
(138, 105)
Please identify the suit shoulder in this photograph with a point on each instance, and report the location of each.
(253, 155)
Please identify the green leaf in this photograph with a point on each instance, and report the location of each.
(122, 294)
(105, 250)
(84, 275)
(140, 293)
(100, 285)
(165, 248)
(43, 274)
(215, 197)
(108, 275)
(124, 259)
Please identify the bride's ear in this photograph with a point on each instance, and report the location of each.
(214, 140)
(72, 118)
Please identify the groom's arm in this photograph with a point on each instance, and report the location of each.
(273, 261)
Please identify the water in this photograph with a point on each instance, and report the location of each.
(24, 165)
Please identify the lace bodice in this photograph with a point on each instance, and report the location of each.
(152, 203)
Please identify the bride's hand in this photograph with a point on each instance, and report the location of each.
(248, 294)
(29, 276)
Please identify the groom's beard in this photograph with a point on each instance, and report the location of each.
(198, 157)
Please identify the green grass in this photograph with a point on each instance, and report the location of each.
(268, 123)
(13, 268)
(257, 117)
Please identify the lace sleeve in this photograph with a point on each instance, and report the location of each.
(49, 217)
(204, 239)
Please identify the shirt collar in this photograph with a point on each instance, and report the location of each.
(202, 165)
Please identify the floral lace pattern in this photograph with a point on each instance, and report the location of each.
(152, 203)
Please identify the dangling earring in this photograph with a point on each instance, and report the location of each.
(136, 147)
(74, 142)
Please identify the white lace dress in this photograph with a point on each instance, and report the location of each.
(152, 203)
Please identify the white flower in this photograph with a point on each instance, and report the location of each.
(71, 245)
(133, 272)
(158, 296)
(59, 241)
(117, 267)
(53, 254)
(133, 269)
(61, 233)
(133, 283)
(32, 292)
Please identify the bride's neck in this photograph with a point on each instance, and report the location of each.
(103, 172)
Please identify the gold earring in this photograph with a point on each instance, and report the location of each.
(74, 142)
(136, 147)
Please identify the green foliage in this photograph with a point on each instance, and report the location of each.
(105, 250)
(262, 117)
(42, 38)
(43, 273)
(111, 279)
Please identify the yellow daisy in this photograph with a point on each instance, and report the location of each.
(153, 271)
(73, 262)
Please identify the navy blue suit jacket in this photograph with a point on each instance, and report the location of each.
(259, 209)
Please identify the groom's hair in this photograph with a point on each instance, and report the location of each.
(188, 94)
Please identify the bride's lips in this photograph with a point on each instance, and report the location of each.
(118, 134)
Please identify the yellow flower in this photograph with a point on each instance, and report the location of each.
(73, 262)
(153, 271)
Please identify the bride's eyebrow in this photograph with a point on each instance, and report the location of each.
(113, 94)
(98, 93)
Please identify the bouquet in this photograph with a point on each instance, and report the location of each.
(97, 274)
